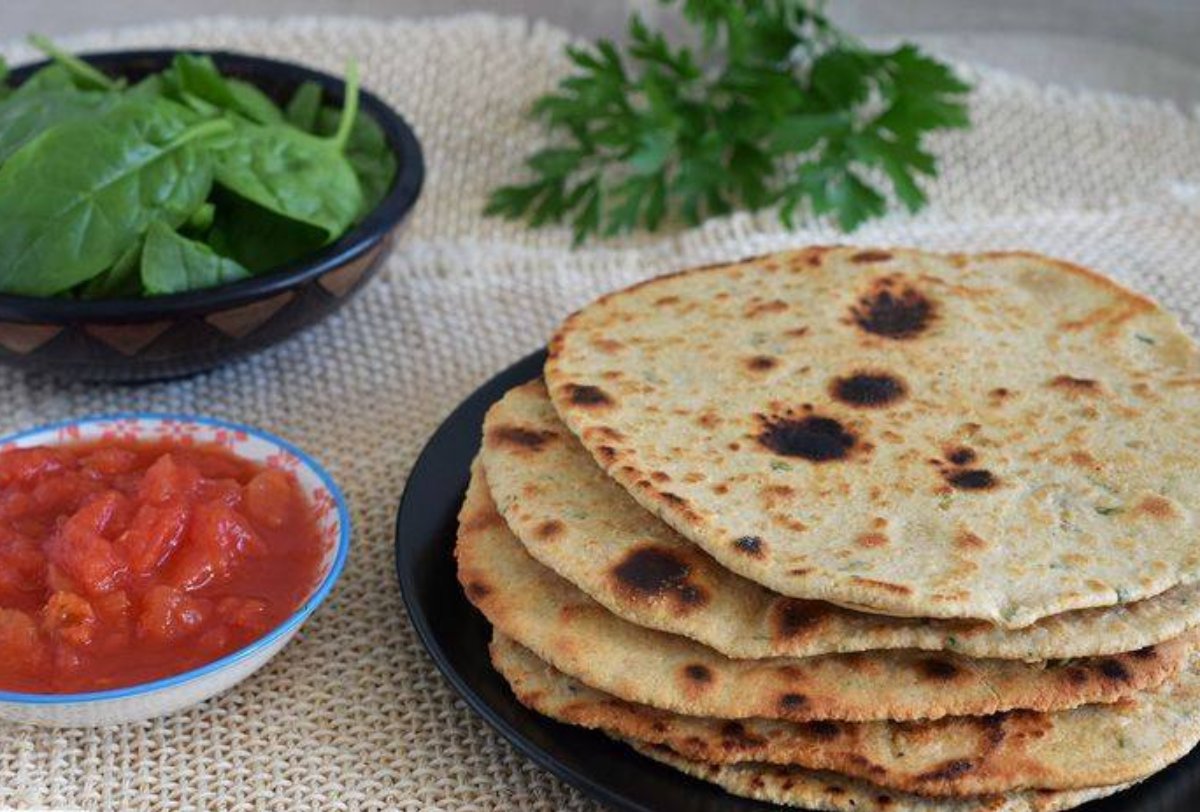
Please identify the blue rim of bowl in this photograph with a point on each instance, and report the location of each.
(288, 626)
(364, 236)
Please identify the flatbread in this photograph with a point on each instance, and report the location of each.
(1000, 436)
(578, 636)
(795, 786)
(580, 523)
(955, 756)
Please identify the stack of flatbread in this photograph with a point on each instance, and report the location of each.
(856, 529)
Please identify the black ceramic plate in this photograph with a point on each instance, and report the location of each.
(456, 636)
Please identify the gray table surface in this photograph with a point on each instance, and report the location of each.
(1145, 47)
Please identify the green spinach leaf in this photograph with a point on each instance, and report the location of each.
(149, 88)
(257, 238)
(304, 106)
(201, 219)
(75, 198)
(51, 77)
(368, 152)
(171, 263)
(253, 103)
(294, 174)
(197, 76)
(24, 117)
(119, 281)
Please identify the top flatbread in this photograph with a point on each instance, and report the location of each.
(580, 523)
(1000, 436)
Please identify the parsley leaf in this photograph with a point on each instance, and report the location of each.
(787, 111)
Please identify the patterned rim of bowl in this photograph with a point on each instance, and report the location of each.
(333, 518)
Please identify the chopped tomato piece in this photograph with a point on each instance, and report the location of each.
(27, 464)
(167, 480)
(169, 614)
(212, 464)
(218, 538)
(63, 493)
(89, 559)
(228, 491)
(110, 461)
(69, 618)
(269, 497)
(113, 607)
(83, 553)
(152, 536)
(105, 515)
(245, 613)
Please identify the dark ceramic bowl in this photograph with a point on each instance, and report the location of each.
(128, 340)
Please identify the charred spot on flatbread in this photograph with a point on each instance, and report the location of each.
(477, 590)
(793, 618)
(822, 730)
(1113, 669)
(938, 669)
(650, 573)
(520, 438)
(947, 770)
(893, 308)
(735, 736)
(812, 437)
(864, 257)
(761, 363)
(971, 479)
(549, 530)
(750, 545)
(960, 455)
(587, 396)
(1073, 386)
(792, 703)
(868, 389)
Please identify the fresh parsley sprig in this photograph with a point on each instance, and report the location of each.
(777, 107)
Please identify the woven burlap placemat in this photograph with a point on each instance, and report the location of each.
(352, 715)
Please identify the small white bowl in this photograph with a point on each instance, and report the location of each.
(164, 696)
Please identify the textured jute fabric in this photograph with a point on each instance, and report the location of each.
(353, 715)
